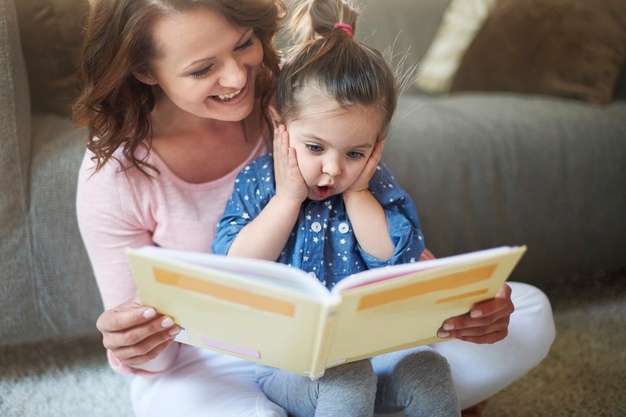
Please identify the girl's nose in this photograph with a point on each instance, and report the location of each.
(331, 167)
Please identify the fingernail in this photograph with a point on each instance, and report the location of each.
(448, 326)
(149, 313)
(174, 331)
(443, 334)
(475, 313)
(167, 322)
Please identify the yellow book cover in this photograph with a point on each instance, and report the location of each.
(280, 316)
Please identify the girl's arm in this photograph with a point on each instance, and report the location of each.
(367, 216)
(266, 235)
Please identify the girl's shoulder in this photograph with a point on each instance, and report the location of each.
(261, 168)
(384, 186)
(257, 178)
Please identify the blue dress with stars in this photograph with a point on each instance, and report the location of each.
(322, 242)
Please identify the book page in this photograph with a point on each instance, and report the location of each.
(242, 315)
(384, 314)
(373, 276)
(271, 273)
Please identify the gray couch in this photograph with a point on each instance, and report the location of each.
(484, 170)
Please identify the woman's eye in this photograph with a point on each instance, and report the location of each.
(201, 73)
(354, 155)
(315, 148)
(245, 45)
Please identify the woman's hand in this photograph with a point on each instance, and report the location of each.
(135, 333)
(289, 180)
(486, 322)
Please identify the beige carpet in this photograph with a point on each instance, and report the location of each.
(584, 375)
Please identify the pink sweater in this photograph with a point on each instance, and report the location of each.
(119, 209)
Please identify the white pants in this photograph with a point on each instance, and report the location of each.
(208, 384)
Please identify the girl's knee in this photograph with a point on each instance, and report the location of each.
(422, 366)
(354, 374)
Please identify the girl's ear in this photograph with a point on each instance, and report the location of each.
(145, 78)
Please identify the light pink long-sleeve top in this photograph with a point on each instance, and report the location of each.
(121, 208)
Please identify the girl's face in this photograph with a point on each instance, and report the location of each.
(332, 145)
(206, 66)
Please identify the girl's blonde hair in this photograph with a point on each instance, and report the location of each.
(327, 61)
(113, 104)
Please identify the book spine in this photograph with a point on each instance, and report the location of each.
(323, 341)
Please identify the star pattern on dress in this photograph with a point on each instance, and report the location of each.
(323, 239)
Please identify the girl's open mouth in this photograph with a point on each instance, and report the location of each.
(323, 192)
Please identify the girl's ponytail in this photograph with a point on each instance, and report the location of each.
(327, 62)
(314, 19)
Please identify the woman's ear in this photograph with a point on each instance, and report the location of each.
(145, 78)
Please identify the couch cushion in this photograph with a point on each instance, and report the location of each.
(16, 287)
(569, 48)
(506, 169)
(461, 22)
(67, 295)
(51, 36)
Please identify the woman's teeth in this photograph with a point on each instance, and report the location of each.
(230, 96)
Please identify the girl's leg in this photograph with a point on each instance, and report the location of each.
(203, 384)
(417, 381)
(347, 390)
(480, 371)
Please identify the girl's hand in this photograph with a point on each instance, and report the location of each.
(362, 183)
(135, 333)
(289, 180)
(487, 322)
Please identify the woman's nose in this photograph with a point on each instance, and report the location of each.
(234, 75)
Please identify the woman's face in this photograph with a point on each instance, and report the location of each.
(206, 65)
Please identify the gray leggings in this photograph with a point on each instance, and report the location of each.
(417, 381)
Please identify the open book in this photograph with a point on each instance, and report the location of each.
(280, 316)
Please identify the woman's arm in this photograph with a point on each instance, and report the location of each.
(108, 217)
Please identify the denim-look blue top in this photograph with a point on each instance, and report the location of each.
(322, 241)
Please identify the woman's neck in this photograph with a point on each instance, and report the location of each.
(200, 150)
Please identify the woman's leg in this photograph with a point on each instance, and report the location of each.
(203, 384)
(480, 371)
(348, 391)
(417, 381)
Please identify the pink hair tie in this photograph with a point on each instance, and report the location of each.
(344, 26)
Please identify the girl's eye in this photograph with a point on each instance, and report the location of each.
(201, 73)
(314, 148)
(354, 155)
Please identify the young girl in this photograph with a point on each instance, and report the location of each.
(325, 204)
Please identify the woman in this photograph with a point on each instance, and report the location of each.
(175, 98)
